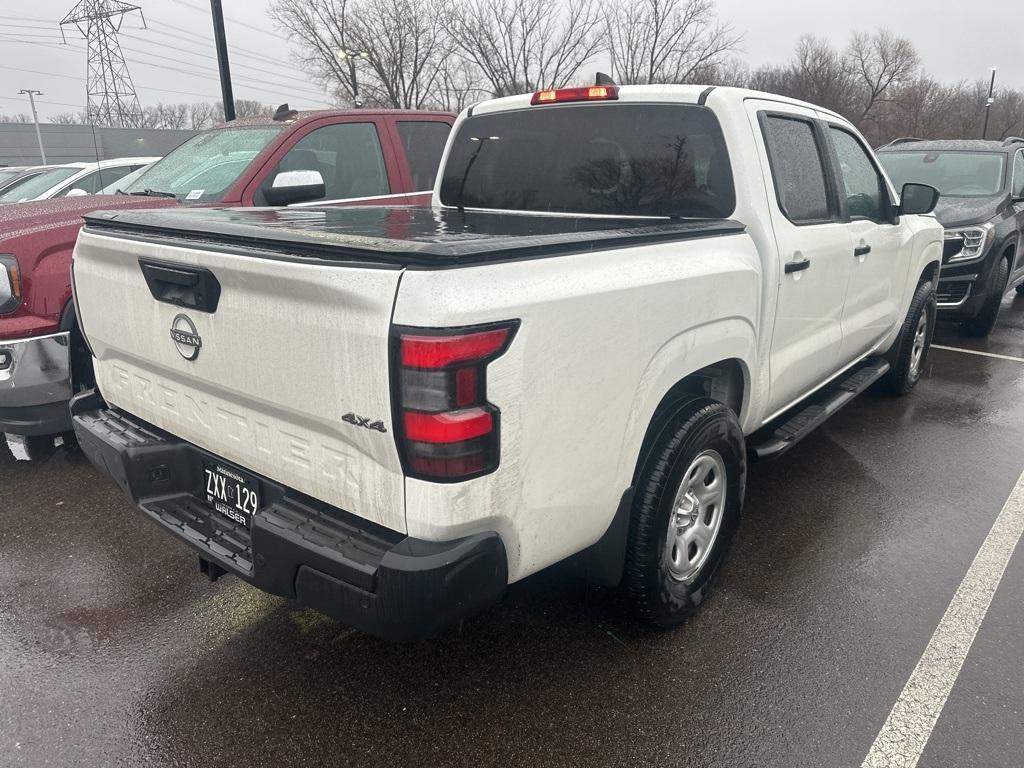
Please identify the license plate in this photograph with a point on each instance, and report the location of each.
(231, 492)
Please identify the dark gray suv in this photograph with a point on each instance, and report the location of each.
(982, 208)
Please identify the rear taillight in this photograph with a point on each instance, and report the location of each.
(447, 431)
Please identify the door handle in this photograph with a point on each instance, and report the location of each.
(183, 286)
(797, 266)
(861, 250)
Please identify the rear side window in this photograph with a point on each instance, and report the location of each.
(612, 159)
(797, 169)
(423, 142)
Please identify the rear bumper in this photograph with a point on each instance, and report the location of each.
(35, 385)
(379, 581)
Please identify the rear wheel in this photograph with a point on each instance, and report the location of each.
(985, 321)
(908, 357)
(685, 513)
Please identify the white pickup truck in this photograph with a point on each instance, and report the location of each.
(618, 298)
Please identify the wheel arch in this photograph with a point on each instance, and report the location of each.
(714, 360)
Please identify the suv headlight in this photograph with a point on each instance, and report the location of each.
(10, 284)
(975, 241)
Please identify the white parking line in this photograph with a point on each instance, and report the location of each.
(977, 352)
(909, 726)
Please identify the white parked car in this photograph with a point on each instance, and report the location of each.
(619, 298)
(74, 179)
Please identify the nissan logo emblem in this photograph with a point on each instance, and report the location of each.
(186, 337)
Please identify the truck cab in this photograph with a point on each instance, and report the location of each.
(982, 209)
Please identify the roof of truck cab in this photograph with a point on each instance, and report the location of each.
(302, 116)
(687, 94)
(950, 145)
(396, 236)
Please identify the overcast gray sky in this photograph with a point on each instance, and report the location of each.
(174, 59)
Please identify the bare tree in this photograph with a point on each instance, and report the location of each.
(19, 118)
(388, 52)
(524, 45)
(879, 62)
(69, 118)
(817, 73)
(665, 41)
(200, 115)
(321, 27)
(459, 84)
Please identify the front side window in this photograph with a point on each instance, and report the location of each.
(863, 187)
(35, 186)
(203, 168)
(953, 173)
(609, 158)
(1018, 174)
(95, 181)
(347, 155)
(797, 169)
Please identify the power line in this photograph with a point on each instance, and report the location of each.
(235, 50)
(291, 73)
(240, 23)
(41, 101)
(149, 88)
(296, 83)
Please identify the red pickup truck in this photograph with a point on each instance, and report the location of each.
(353, 157)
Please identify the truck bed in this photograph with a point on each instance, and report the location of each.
(396, 236)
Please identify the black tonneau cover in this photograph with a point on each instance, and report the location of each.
(396, 236)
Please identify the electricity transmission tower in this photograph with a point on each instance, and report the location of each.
(111, 95)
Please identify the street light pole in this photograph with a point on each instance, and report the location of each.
(35, 118)
(220, 39)
(988, 103)
(350, 57)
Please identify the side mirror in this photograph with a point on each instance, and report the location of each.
(918, 198)
(295, 187)
(76, 192)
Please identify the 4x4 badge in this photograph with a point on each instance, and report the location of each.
(186, 337)
(365, 422)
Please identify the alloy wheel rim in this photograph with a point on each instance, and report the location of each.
(917, 351)
(696, 516)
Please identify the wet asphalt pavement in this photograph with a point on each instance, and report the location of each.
(115, 651)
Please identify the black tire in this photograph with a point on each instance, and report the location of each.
(31, 448)
(904, 371)
(1020, 289)
(700, 429)
(983, 323)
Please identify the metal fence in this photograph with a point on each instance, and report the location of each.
(78, 143)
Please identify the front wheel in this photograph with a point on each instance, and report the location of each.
(908, 356)
(985, 321)
(685, 513)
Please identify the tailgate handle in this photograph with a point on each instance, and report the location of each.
(191, 287)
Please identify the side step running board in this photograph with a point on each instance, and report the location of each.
(813, 412)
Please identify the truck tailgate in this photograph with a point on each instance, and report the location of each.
(289, 350)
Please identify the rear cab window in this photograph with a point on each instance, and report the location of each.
(798, 169)
(617, 159)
